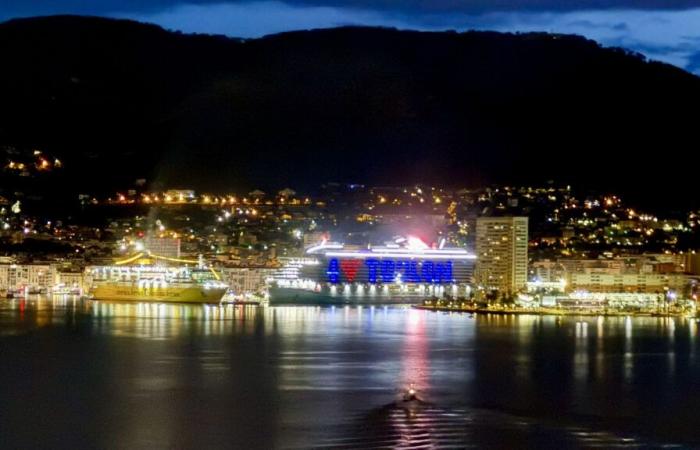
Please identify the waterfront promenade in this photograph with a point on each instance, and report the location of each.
(544, 311)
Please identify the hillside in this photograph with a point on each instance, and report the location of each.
(119, 100)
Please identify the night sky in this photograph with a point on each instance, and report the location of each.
(667, 30)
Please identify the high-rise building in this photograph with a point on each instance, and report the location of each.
(501, 248)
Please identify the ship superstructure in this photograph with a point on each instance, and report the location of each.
(407, 270)
(144, 277)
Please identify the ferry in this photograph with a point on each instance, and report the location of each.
(138, 279)
(403, 271)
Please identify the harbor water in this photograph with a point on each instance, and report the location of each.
(84, 374)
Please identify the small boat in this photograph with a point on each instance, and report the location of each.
(410, 394)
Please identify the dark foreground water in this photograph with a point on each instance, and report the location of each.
(77, 374)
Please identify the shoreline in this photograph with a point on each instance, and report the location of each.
(545, 312)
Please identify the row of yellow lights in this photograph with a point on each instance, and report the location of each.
(165, 258)
(206, 199)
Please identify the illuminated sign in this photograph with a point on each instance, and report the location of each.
(389, 271)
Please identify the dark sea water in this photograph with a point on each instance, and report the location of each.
(80, 374)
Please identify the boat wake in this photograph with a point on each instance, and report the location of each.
(416, 424)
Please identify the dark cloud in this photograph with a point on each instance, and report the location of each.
(694, 62)
(661, 29)
(11, 8)
(485, 6)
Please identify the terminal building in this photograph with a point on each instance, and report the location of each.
(246, 280)
(163, 246)
(407, 270)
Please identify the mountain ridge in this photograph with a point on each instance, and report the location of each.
(121, 100)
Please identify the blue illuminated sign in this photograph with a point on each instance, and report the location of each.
(390, 271)
(333, 271)
(372, 266)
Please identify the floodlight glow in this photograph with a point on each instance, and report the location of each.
(415, 243)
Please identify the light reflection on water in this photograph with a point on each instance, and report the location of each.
(190, 376)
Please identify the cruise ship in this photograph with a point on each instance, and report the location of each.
(403, 271)
(141, 279)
